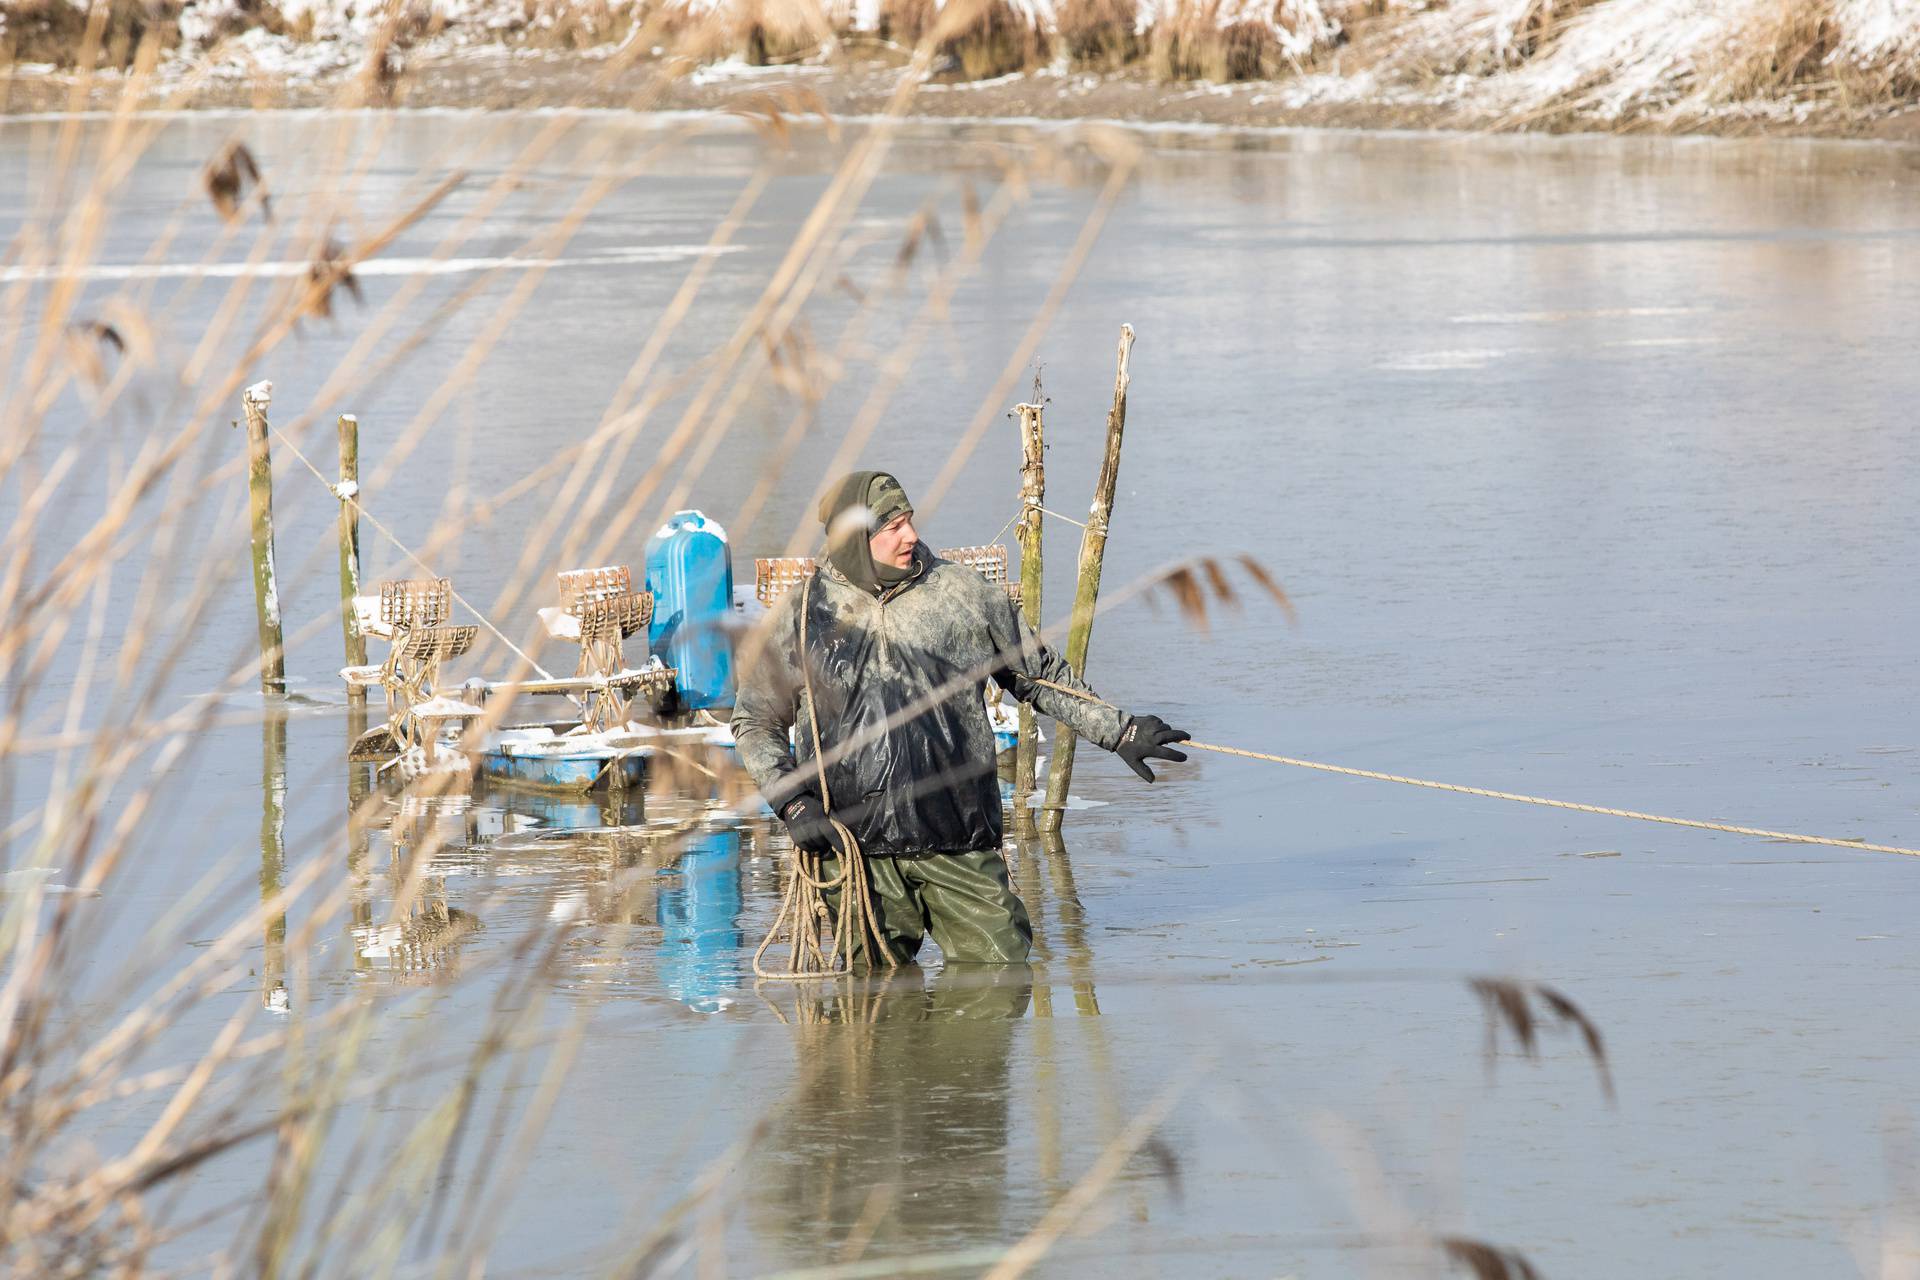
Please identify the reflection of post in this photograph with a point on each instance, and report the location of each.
(1033, 491)
(359, 838)
(1073, 938)
(1093, 551)
(1073, 926)
(273, 855)
(1046, 1070)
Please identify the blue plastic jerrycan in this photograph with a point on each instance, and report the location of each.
(690, 573)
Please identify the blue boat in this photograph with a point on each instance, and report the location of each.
(574, 763)
(541, 760)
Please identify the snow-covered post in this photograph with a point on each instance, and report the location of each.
(1093, 550)
(266, 591)
(1033, 491)
(348, 491)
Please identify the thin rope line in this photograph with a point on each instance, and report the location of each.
(1057, 516)
(354, 502)
(803, 905)
(1761, 832)
(1003, 528)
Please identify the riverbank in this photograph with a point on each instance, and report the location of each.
(1776, 69)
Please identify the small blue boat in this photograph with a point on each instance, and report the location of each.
(538, 758)
(544, 761)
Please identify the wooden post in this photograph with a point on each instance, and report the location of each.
(349, 494)
(1093, 550)
(266, 591)
(1033, 491)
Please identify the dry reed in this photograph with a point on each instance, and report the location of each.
(1503, 63)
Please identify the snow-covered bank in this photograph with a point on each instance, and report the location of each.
(1818, 67)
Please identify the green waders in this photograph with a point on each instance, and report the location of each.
(963, 899)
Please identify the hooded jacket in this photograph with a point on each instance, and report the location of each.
(899, 682)
(852, 512)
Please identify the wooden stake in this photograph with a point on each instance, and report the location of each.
(266, 590)
(349, 495)
(1093, 550)
(1033, 492)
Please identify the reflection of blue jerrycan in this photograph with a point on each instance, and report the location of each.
(699, 908)
(690, 573)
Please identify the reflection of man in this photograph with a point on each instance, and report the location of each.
(899, 646)
(861, 1148)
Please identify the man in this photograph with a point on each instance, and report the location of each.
(899, 647)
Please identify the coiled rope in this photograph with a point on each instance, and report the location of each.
(804, 916)
(1635, 814)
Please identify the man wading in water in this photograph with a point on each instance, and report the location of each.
(900, 645)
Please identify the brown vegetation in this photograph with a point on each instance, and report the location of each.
(981, 38)
(1813, 65)
(56, 31)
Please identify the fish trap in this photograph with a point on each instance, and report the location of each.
(416, 602)
(774, 576)
(435, 643)
(601, 609)
(603, 601)
(990, 561)
(413, 615)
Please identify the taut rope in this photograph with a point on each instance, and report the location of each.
(1514, 796)
(353, 499)
(804, 913)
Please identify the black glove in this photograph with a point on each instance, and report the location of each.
(1146, 737)
(807, 823)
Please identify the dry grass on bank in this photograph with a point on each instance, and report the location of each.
(1656, 64)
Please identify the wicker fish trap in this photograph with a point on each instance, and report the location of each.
(435, 643)
(605, 602)
(773, 577)
(416, 602)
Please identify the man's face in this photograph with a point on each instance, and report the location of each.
(894, 544)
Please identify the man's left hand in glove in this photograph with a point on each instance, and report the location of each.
(1146, 738)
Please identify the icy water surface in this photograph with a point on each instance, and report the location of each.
(1589, 467)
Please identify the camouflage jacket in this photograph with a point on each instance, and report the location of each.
(899, 682)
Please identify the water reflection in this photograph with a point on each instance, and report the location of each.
(359, 838)
(507, 810)
(893, 1138)
(1043, 874)
(424, 932)
(699, 905)
(273, 856)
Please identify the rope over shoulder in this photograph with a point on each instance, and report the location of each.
(1517, 798)
(803, 912)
